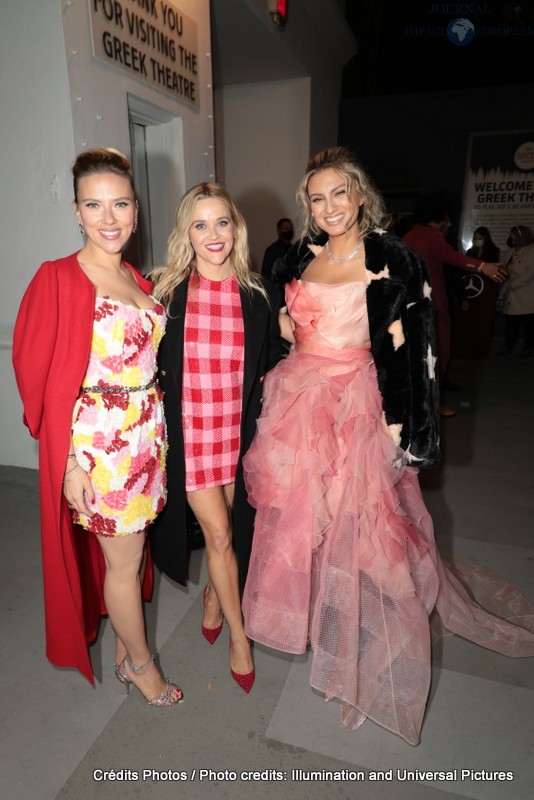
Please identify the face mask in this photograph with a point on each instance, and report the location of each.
(510, 242)
(286, 235)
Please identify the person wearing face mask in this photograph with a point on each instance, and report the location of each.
(427, 237)
(278, 249)
(518, 303)
(483, 247)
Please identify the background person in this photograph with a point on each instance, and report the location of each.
(278, 249)
(518, 303)
(472, 304)
(427, 238)
(483, 247)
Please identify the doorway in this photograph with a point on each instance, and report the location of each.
(157, 158)
(140, 247)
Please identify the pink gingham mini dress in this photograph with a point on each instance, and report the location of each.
(214, 347)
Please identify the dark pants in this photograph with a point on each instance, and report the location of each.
(513, 325)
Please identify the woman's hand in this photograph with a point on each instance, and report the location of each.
(287, 326)
(494, 271)
(78, 490)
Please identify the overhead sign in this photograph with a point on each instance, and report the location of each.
(151, 40)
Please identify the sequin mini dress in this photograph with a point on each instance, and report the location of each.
(119, 437)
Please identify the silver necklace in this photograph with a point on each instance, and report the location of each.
(332, 257)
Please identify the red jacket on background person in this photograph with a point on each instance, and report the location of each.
(430, 243)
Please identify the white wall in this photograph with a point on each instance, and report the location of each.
(267, 129)
(36, 136)
(319, 38)
(100, 117)
(45, 66)
(262, 144)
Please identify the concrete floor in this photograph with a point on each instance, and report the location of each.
(60, 734)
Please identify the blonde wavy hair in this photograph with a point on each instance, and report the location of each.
(372, 213)
(181, 256)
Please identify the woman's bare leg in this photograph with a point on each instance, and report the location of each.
(120, 649)
(211, 508)
(124, 558)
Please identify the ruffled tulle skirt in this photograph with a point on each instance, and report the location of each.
(344, 556)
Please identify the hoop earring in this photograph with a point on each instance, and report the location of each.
(82, 229)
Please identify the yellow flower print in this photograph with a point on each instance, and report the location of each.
(81, 440)
(140, 507)
(117, 333)
(100, 346)
(123, 467)
(133, 413)
(102, 477)
(134, 377)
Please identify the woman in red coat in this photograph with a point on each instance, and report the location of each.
(84, 352)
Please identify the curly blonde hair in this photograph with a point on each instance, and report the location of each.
(181, 256)
(372, 212)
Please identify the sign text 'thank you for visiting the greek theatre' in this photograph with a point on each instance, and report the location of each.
(151, 40)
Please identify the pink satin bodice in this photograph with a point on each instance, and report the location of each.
(328, 317)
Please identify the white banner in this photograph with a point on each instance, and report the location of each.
(499, 185)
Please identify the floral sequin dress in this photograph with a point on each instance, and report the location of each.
(119, 437)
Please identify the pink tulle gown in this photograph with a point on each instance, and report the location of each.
(344, 556)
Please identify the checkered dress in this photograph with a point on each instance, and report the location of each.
(212, 382)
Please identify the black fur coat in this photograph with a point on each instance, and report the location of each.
(401, 325)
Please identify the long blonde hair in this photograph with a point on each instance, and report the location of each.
(372, 212)
(181, 256)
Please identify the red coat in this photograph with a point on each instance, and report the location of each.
(51, 347)
(431, 244)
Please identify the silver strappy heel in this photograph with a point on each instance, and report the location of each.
(171, 695)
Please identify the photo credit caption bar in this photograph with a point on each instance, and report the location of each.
(302, 775)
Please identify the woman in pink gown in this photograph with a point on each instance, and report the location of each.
(343, 554)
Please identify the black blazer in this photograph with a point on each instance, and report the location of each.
(263, 349)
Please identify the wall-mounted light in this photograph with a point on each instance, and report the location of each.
(278, 12)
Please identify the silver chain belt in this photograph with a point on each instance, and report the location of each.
(117, 389)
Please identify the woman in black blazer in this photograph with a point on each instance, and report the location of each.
(222, 337)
